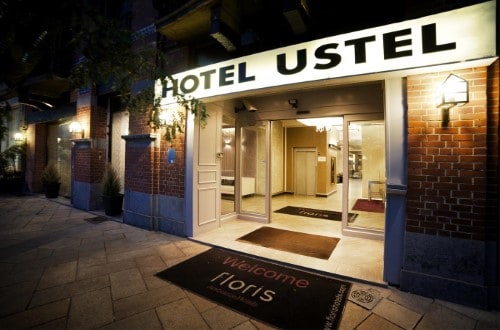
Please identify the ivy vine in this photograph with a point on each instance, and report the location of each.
(146, 103)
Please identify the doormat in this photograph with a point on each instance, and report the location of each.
(277, 295)
(315, 246)
(315, 213)
(367, 205)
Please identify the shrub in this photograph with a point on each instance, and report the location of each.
(50, 175)
(111, 184)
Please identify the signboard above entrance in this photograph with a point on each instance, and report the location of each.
(456, 36)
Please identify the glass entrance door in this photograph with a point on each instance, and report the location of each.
(253, 180)
(364, 160)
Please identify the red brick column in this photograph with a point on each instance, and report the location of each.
(89, 153)
(154, 188)
(451, 239)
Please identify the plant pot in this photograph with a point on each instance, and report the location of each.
(113, 204)
(52, 189)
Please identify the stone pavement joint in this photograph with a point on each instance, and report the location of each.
(58, 269)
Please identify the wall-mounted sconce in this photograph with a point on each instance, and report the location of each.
(294, 103)
(453, 91)
(76, 128)
(18, 136)
(170, 115)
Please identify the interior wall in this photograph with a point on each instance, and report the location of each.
(373, 153)
(228, 148)
(277, 158)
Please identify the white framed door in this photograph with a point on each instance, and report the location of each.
(206, 172)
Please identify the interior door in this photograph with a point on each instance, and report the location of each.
(206, 172)
(305, 171)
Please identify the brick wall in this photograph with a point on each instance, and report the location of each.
(89, 163)
(138, 123)
(147, 169)
(492, 184)
(178, 60)
(447, 164)
(98, 122)
(171, 178)
(139, 165)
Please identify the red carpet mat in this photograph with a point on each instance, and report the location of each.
(280, 296)
(366, 205)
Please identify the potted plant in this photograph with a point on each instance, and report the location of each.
(51, 181)
(111, 192)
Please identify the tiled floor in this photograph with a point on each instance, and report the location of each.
(62, 272)
(353, 257)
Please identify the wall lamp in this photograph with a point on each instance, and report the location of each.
(18, 136)
(453, 91)
(170, 115)
(76, 128)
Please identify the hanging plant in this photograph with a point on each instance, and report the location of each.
(172, 121)
(196, 107)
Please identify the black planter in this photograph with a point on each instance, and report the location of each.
(113, 204)
(52, 190)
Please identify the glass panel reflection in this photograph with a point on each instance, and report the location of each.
(228, 167)
(253, 169)
(367, 174)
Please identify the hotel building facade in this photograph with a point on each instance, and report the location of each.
(402, 114)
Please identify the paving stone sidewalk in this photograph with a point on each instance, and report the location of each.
(65, 268)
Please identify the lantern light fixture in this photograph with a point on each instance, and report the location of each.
(453, 91)
(76, 128)
(18, 136)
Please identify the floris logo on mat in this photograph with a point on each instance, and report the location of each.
(241, 290)
(282, 296)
